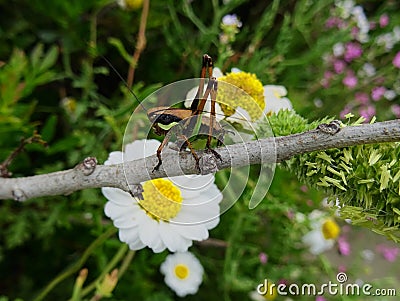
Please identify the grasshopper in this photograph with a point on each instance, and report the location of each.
(166, 121)
(186, 124)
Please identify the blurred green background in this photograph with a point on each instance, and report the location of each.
(54, 81)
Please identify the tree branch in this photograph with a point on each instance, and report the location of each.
(87, 175)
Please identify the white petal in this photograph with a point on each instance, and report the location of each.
(211, 224)
(217, 72)
(172, 238)
(140, 149)
(114, 158)
(193, 185)
(129, 235)
(149, 234)
(159, 246)
(275, 104)
(276, 90)
(122, 217)
(316, 241)
(190, 96)
(193, 232)
(196, 214)
(118, 196)
(136, 245)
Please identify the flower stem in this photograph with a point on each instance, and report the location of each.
(78, 265)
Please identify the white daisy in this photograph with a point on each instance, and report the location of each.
(174, 212)
(183, 273)
(323, 234)
(275, 99)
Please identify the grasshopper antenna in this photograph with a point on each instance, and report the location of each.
(124, 81)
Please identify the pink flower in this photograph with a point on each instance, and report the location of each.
(372, 25)
(263, 257)
(384, 20)
(362, 98)
(342, 269)
(367, 112)
(352, 51)
(389, 253)
(377, 93)
(327, 76)
(354, 32)
(396, 60)
(304, 188)
(396, 110)
(339, 66)
(345, 111)
(290, 214)
(343, 246)
(332, 22)
(350, 80)
(320, 298)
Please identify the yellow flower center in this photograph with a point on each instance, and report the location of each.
(133, 4)
(162, 200)
(330, 229)
(230, 98)
(181, 271)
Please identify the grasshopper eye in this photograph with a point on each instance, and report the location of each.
(152, 117)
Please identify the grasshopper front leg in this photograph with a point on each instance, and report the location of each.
(177, 129)
(160, 148)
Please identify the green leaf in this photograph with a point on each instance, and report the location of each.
(36, 55)
(49, 59)
(121, 49)
(49, 128)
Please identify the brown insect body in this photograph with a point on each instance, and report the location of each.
(208, 125)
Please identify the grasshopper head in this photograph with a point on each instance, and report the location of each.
(155, 115)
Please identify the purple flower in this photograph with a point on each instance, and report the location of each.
(331, 22)
(344, 246)
(389, 253)
(362, 98)
(320, 298)
(367, 112)
(339, 66)
(396, 110)
(372, 25)
(327, 76)
(352, 51)
(263, 257)
(345, 111)
(396, 60)
(377, 93)
(384, 20)
(304, 188)
(342, 269)
(350, 80)
(355, 31)
(290, 214)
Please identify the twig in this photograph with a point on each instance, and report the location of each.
(35, 138)
(174, 163)
(140, 44)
